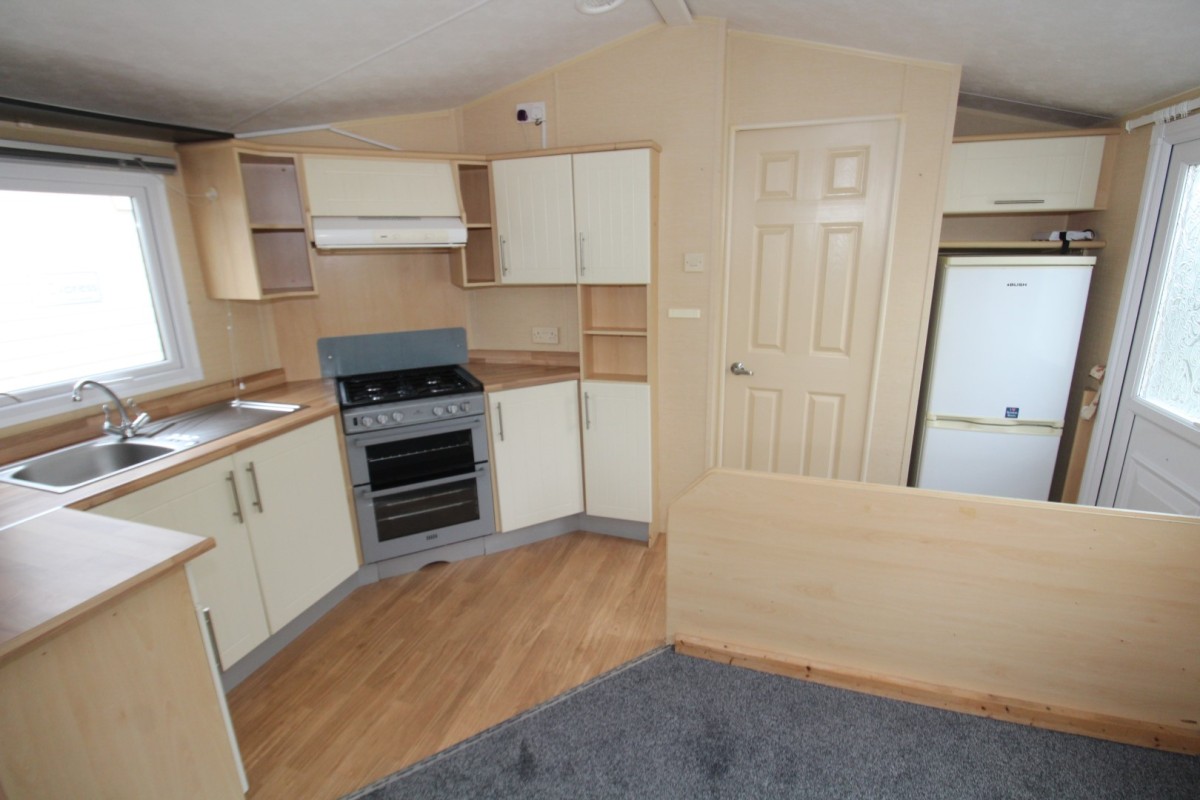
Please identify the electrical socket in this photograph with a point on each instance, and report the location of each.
(545, 335)
(533, 112)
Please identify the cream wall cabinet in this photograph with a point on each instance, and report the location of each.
(616, 449)
(282, 522)
(535, 222)
(536, 453)
(249, 220)
(612, 216)
(581, 218)
(359, 186)
(1037, 175)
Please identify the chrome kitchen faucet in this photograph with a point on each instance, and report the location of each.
(128, 428)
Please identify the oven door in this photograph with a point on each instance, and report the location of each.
(399, 521)
(418, 454)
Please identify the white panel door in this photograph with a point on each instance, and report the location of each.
(809, 241)
(612, 216)
(1005, 337)
(535, 219)
(616, 449)
(1057, 173)
(536, 453)
(1153, 461)
(205, 502)
(299, 517)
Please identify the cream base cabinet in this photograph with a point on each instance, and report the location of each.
(616, 449)
(301, 525)
(204, 501)
(281, 519)
(536, 453)
(535, 222)
(1024, 175)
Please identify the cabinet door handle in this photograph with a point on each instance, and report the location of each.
(1015, 202)
(587, 411)
(500, 419)
(237, 498)
(257, 501)
(582, 262)
(212, 636)
(503, 256)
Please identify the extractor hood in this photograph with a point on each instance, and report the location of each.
(348, 233)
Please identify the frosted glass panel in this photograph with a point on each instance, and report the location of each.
(1171, 379)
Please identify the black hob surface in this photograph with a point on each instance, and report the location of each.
(409, 384)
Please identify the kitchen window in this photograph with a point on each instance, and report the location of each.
(90, 287)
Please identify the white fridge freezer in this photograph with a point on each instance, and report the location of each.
(1002, 351)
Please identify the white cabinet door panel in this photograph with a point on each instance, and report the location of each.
(202, 502)
(535, 219)
(379, 187)
(535, 453)
(616, 449)
(299, 518)
(1030, 175)
(612, 216)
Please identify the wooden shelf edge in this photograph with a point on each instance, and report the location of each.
(1095, 244)
(602, 331)
(614, 377)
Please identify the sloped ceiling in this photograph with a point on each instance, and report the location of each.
(252, 65)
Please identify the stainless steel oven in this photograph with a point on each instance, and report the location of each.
(421, 486)
(415, 439)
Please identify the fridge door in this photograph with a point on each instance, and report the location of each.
(994, 460)
(1005, 337)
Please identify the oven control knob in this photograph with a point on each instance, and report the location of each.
(452, 409)
(465, 407)
(438, 411)
(398, 416)
(383, 419)
(367, 422)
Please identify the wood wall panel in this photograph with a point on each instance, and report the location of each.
(1081, 610)
(372, 293)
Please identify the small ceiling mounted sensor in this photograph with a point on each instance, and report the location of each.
(596, 6)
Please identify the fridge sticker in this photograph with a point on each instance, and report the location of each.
(1011, 412)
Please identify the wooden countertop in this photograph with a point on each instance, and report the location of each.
(497, 377)
(61, 566)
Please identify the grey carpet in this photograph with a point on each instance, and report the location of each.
(671, 726)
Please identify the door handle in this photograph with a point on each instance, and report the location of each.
(503, 256)
(237, 498)
(587, 411)
(738, 368)
(257, 501)
(500, 419)
(582, 263)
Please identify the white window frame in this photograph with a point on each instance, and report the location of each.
(165, 273)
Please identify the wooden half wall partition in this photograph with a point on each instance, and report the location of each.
(1065, 617)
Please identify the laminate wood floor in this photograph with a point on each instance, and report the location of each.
(408, 666)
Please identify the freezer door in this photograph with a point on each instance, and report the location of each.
(979, 460)
(1005, 340)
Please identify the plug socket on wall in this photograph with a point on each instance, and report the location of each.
(545, 335)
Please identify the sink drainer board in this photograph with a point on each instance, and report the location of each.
(81, 464)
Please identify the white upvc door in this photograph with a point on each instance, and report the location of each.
(535, 219)
(616, 449)
(1151, 461)
(612, 216)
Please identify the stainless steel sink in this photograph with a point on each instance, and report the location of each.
(72, 467)
(66, 469)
